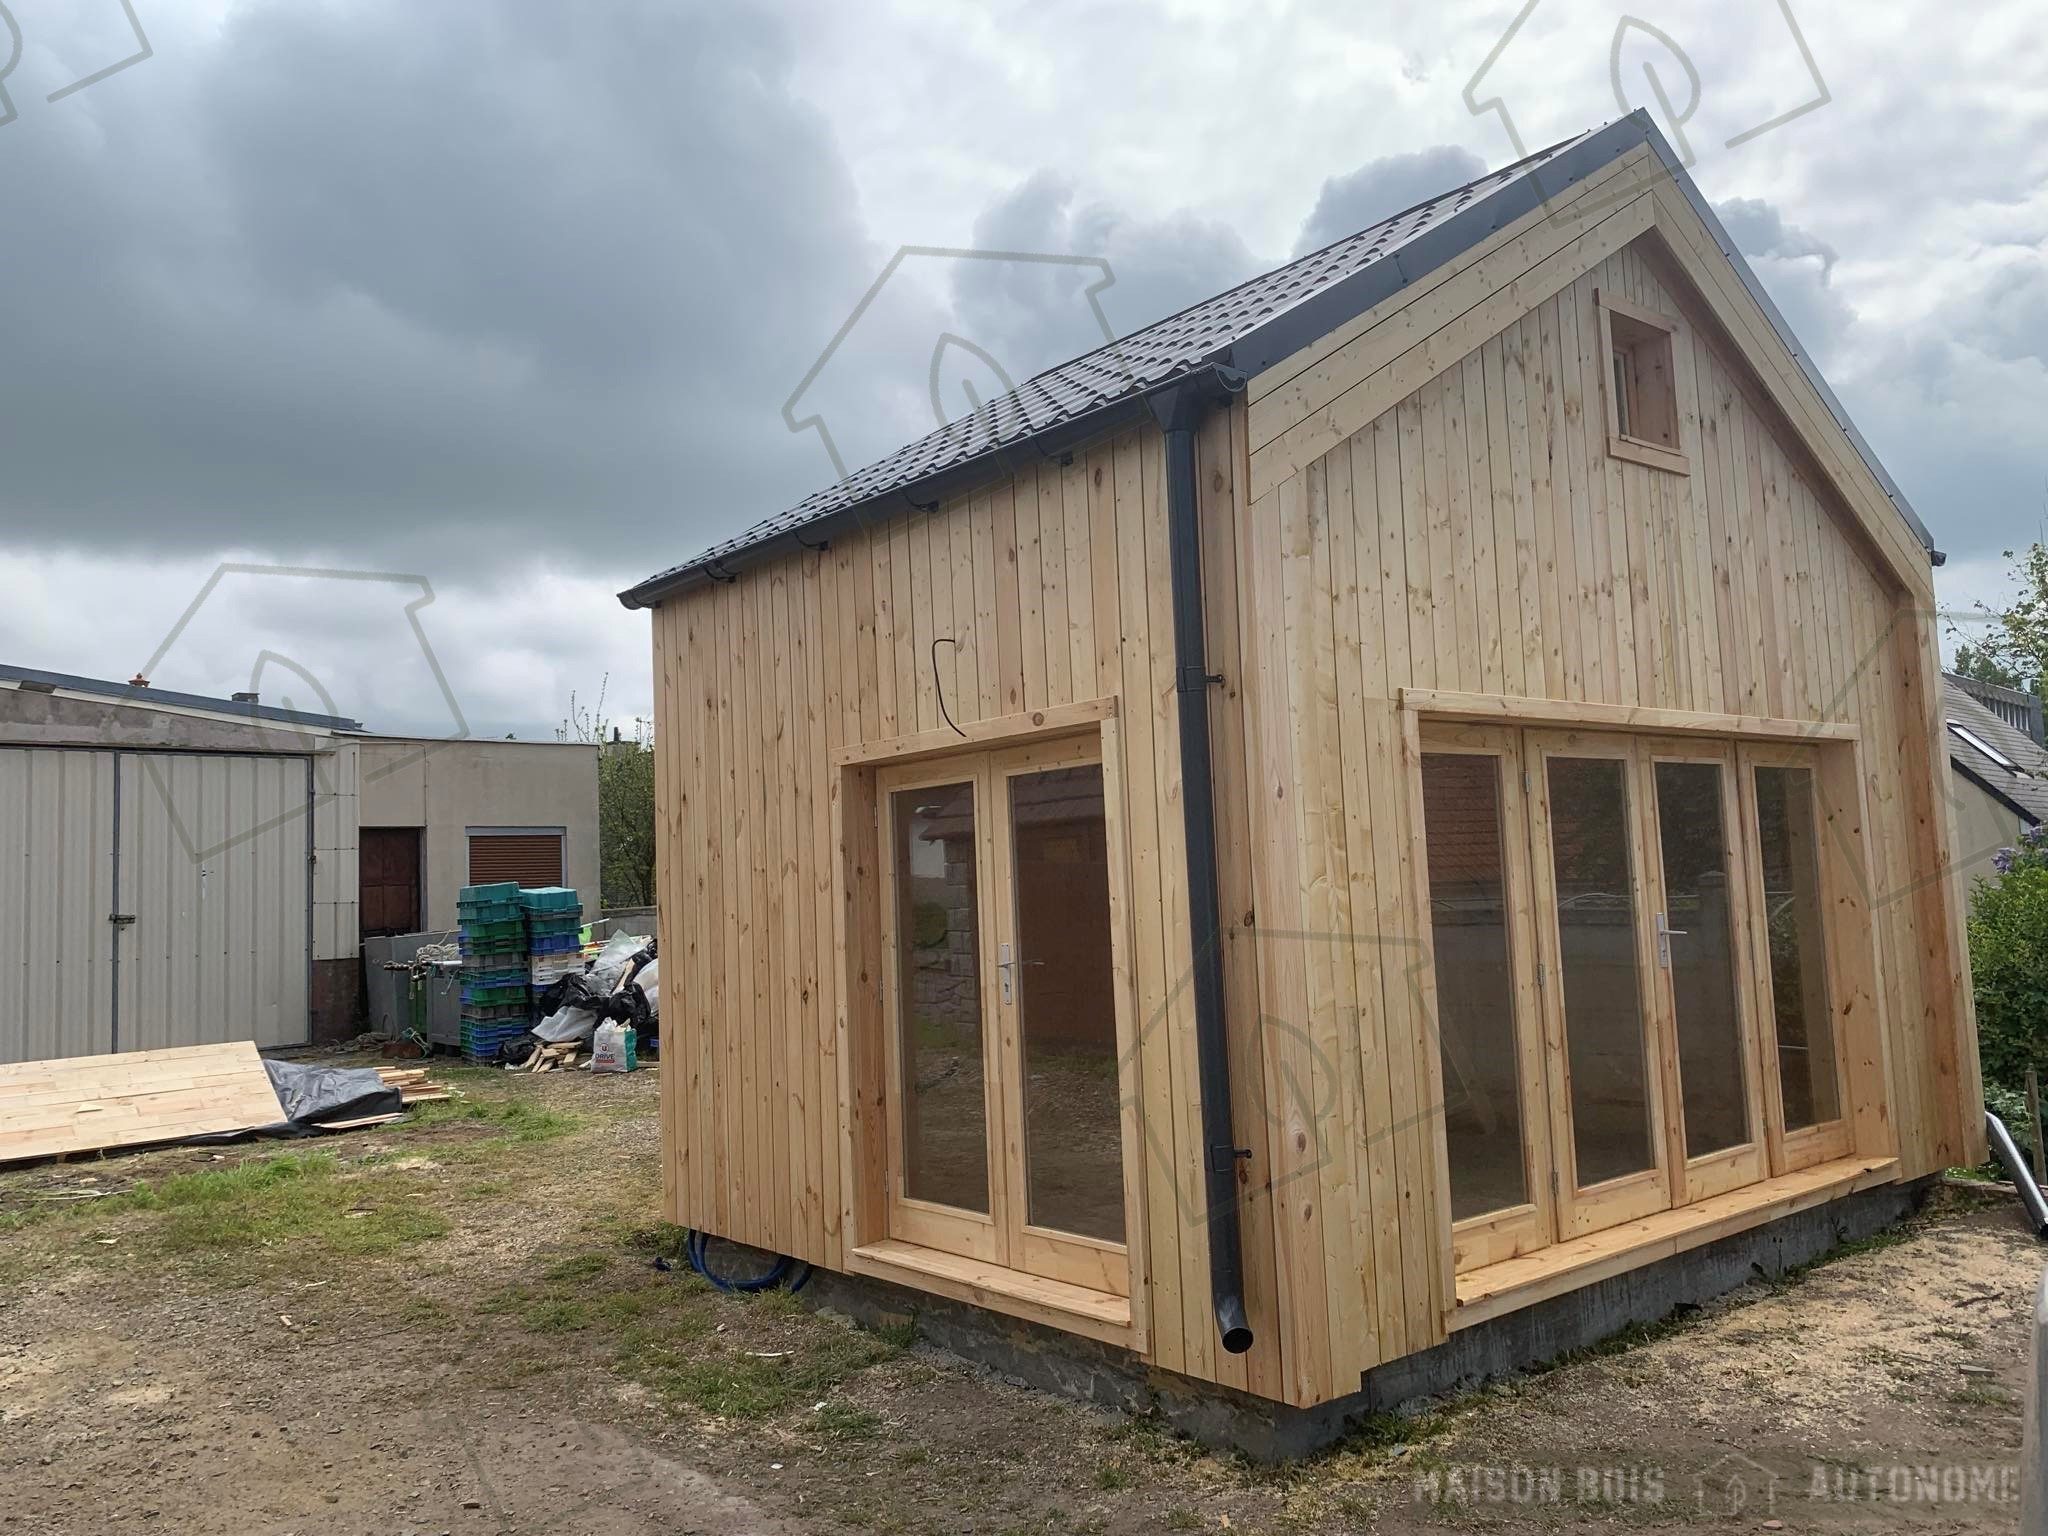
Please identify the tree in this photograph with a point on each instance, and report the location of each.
(1976, 663)
(2014, 651)
(2009, 961)
(625, 800)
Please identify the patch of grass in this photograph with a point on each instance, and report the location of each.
(579, 1266)
(520, 1121)
(1982, 1397)
(843, 1421)
(1114, 1475)
(1182, 1519)
(296, 1199)
(749, 1386)
(291, 1210)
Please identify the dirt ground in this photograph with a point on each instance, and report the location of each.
(457, 1324)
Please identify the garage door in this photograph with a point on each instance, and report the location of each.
(150, 900)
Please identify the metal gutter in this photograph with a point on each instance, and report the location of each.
(1179, 411)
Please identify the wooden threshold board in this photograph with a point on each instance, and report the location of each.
(1055, 1303)
(1493, 1289)
(92, 1103)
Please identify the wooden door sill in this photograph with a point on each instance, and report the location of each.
(1494, 1289)
(1099, 1315)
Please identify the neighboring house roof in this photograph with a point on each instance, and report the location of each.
(2024, 786)
(163, 698)
(1245, 329)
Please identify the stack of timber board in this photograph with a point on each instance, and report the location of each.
(92, 1103)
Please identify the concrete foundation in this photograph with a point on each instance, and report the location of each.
(1226, 1420)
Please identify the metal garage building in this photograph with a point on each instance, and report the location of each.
(177, 869)
(153, 898)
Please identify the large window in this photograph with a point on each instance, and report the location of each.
(1625, 931)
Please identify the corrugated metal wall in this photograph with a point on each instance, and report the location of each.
(212, 863)
(56, 889)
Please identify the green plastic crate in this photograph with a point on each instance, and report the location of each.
(549, 898)
(487, 933)
(500, 890)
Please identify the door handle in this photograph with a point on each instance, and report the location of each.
(1665, 934)
(1006, 968)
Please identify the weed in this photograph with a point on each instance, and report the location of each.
(1112, 1475)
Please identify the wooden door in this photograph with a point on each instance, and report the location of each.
(1489, 1027)
(1004, 1046)
(1055, 991)
(389, 884)
(1698, 890)
(1805, 1080)
(1604, 1035)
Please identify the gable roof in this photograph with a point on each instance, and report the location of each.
(2027, 791)
(162, 698)
(1243, 331)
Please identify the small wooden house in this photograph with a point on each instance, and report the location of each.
(1408, 789)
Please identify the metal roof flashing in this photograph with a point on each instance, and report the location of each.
(1246, 329)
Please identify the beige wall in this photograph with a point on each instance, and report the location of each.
(1984, 824)
(447, 787)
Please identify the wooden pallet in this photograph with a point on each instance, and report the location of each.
(92, 1103)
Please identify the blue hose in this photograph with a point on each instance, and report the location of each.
(697, 1245)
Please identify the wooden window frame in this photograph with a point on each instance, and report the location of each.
(1793, 1150)
(1713, 1173)
(1626, 330)
(866, 1055)
(1493, 1270)
(1586, 1208)
(1513, 1230)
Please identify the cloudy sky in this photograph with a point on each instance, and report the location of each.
(521, 299)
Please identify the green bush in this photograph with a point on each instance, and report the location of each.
(2009, 960)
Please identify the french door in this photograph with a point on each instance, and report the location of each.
(1626, 929)
(1006, 1137)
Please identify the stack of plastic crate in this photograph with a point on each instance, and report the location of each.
(554, 937)
(496, 1005)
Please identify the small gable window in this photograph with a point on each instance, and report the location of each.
(1642, 384)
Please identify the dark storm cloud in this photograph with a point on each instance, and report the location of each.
(329, 277)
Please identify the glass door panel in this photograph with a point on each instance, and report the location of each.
(942, 1108)
(1489, 1035)
(1588, 865)
(1057, 1005)
(1807, 1079)
(1066, 1003)
(1698, 930)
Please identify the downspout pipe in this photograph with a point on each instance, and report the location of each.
(1179, 409)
